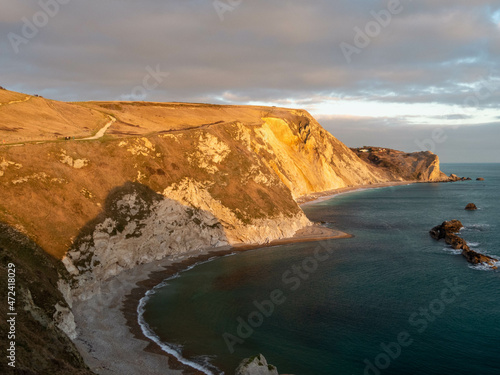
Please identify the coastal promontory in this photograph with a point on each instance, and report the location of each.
(107, 186)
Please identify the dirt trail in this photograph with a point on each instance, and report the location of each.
(101, 132)
(17, 101)
(98, 135)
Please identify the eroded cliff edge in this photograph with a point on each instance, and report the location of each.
(171, 178)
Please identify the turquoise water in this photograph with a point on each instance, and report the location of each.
(338, 304)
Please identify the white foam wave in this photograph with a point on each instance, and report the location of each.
(477, 227)
(452, 250)
(172, 349)
(206, 361)
(473, 244)
(167, 348)
(485, 266)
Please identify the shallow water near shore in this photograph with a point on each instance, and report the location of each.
(390, 300)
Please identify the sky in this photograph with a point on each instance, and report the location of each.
(406, 74)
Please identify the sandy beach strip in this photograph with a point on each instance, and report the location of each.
(325, 195)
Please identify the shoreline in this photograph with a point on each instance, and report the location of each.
(109, 334)
(325, 195)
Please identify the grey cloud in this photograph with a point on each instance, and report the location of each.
(261, 46)
(281, 51)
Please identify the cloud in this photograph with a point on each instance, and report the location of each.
(260, 45)
(283, 52)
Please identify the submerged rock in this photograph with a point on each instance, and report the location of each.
(471, 207)
(256, 366)
(448, 230)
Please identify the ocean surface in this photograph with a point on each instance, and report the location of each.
(391, 300)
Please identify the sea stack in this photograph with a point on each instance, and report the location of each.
(471, 207)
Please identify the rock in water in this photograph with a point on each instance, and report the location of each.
(479, 179)
(477, 258)
(256, 366)
(471, 207)
(454, 178)
(448, 231)
(446, 228)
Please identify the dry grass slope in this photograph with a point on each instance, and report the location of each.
(26, 118)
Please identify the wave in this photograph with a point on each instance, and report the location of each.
(485, 267)
(477, 227)
(452, 250)
(172, 349)
(473, 244)
(167, 348)
(478, 267)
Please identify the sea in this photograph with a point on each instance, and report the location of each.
(390, 300)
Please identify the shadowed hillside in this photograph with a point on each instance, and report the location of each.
(41, 346)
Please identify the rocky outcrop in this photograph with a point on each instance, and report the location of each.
(477, 258)
(448, 230)
(256, 366)
(136, 226)
(402, 166)
(471, 207)
(454, 178)
(445, 229)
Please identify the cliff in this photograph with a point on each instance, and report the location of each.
(398, 165)
(166, 178)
